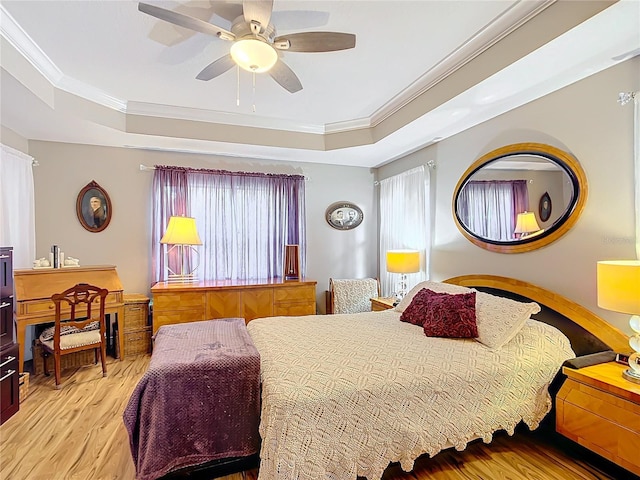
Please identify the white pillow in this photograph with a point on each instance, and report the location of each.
(438, 287)
(499, 319)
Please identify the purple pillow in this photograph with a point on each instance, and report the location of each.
(443, 314)
(415, 312)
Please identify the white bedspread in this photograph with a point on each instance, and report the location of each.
(345, 395)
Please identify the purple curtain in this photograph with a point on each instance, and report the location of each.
(489, 208)
(244, 220)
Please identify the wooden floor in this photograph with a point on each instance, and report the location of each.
(77, 433)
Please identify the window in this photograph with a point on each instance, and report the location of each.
(244, 220)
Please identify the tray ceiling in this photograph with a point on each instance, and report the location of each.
(101, 72)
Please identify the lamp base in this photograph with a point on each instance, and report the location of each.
(182, 278)
(401, 287)
(631, 376)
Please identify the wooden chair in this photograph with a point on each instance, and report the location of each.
(80, 329)
(352, 295)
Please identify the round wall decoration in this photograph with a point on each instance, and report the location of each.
(344, 215)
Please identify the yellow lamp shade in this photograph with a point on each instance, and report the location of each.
(619, 286)
(181, 231)
(526, 223)
(403, 261)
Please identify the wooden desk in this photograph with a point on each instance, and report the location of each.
(180, 303)
(34, 288)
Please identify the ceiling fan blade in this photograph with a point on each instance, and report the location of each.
(185, 21)
(282, 74)
(315, 42)
(257, 11)
(216, 68)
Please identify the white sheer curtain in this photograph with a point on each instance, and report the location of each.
(405, 223)
(17, 206)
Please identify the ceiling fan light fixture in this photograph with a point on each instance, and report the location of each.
(254, 55)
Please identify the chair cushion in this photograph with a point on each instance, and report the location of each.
(47, 333)
(72, 340)
(353, 295)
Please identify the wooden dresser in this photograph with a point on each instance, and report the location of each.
(9, 387)
(180, 303)
(600, 410)
(34, 288)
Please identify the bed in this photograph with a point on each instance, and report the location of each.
(345, 395)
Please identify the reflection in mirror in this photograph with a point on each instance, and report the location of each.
(500, 201)
(519, 197)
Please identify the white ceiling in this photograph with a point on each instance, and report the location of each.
(101, 72)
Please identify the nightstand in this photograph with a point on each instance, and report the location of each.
(382, 303)
(600, 410)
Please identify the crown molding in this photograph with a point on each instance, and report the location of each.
(481, 41)
(23, 43)
(212, 116)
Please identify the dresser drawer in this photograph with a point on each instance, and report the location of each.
(35, 307)
(172, 317)
(295, 294)
(136, 311)
(9, 385)
(601, 435)
(137, 342)
(600, 421)
(6, 321)
(135, 317)
(178, 301)
(294, 309)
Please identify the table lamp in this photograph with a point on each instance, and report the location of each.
(403, 262)
(619, 290)
(526, 224)
(182, 234)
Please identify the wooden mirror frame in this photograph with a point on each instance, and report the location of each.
(564, 160)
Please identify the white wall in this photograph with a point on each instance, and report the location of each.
(66, 168)
(583, 119)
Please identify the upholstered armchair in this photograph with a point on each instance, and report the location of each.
(351, 295)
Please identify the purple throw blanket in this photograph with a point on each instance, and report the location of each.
(199, 400)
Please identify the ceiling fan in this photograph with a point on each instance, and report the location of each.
(255, 44)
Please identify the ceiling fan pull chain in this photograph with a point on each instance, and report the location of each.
(237, 85)
(254, 92)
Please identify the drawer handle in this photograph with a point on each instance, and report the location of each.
(9, 373)
(135, 308)
(4, 256)
(8, 360)
(4, 304)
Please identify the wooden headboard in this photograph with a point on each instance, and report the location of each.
(587, 332)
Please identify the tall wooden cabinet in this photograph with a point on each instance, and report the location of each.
(9, 388)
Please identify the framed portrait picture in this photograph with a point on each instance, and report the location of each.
(93, 207)
(344, 215)
(544, 208)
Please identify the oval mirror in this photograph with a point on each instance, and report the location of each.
(519, 197)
